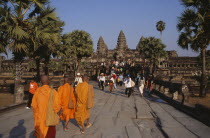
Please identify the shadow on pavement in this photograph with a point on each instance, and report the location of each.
(19, 130)
(32, 134)
(153, 98)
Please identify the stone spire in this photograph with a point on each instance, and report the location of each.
(121, 42)
(101, 46)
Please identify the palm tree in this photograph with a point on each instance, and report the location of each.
(160, 26)
(46, 38)
(153, 49)
(194, 28)
(32, 30)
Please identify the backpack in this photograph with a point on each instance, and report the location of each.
(132, 83)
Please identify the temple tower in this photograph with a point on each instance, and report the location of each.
(121, 47)
(102, 47)
(121, 42)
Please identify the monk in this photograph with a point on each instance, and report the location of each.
(90, 103)
(82, 113)
(32, 88)
(66, 93)
(39, 105)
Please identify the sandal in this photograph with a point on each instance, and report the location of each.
(89, 125)
(66, 129)
(82, 132)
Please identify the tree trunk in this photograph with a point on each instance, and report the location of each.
(78, 65)
(46, 69)
(203, 76)
(38, 69)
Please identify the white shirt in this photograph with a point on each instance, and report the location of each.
(112, 79)
(78, 79)
(102, 78)
(127, 83)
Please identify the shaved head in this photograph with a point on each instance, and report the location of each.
(45, 79)
(85, 78)
(66, 79)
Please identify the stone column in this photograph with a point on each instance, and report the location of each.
(19, 89)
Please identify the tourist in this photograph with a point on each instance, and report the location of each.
(81, 114)
(149, 84)
(111, 83)
(141, 85)
(128, 87)
(42, 103)
(102, 80)
(32, 88)
(115, 77)
(78, 79)
(99, 85)
(120, 79)
(68, 102)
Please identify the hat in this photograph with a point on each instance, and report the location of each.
(78, 74)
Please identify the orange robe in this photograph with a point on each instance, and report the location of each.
(90, 100)
(66, 92)
(39, 104)
(33, 86)
(81, 113)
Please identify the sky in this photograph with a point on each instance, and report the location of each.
(136, 18)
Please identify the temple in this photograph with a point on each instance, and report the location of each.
(175, 67)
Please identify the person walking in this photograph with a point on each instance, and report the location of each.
(32, 88)
(46, 105)
(78, 79)
(68, 102)
(81, 114)
(120, 79)
(149, 84)
(111, 83)
(115, 77)
(141, 85)
(128, 87)
(102, 80)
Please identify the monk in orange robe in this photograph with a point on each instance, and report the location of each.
(66, 93)
(90, 103)
(82, 114)
(39, 105)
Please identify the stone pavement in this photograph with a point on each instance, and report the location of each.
(115, 116)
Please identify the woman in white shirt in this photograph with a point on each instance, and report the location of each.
(128, 87)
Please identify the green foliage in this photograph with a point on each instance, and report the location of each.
(82, 43)
(194, 28)
(160, 26)
(30, 28)
(55, 66)
(15, 23)
(75, 46)
(152, 48)
(194, 24)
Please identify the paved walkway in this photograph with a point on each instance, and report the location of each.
(115, 116)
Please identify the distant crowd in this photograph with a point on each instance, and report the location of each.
(114, 80)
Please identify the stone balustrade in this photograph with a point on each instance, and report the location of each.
(177, 91)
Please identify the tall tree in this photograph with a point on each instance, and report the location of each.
(46, 37)
(160, 26)
(194, 28)
(153, 49)
(81, 44)
(31, 29)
